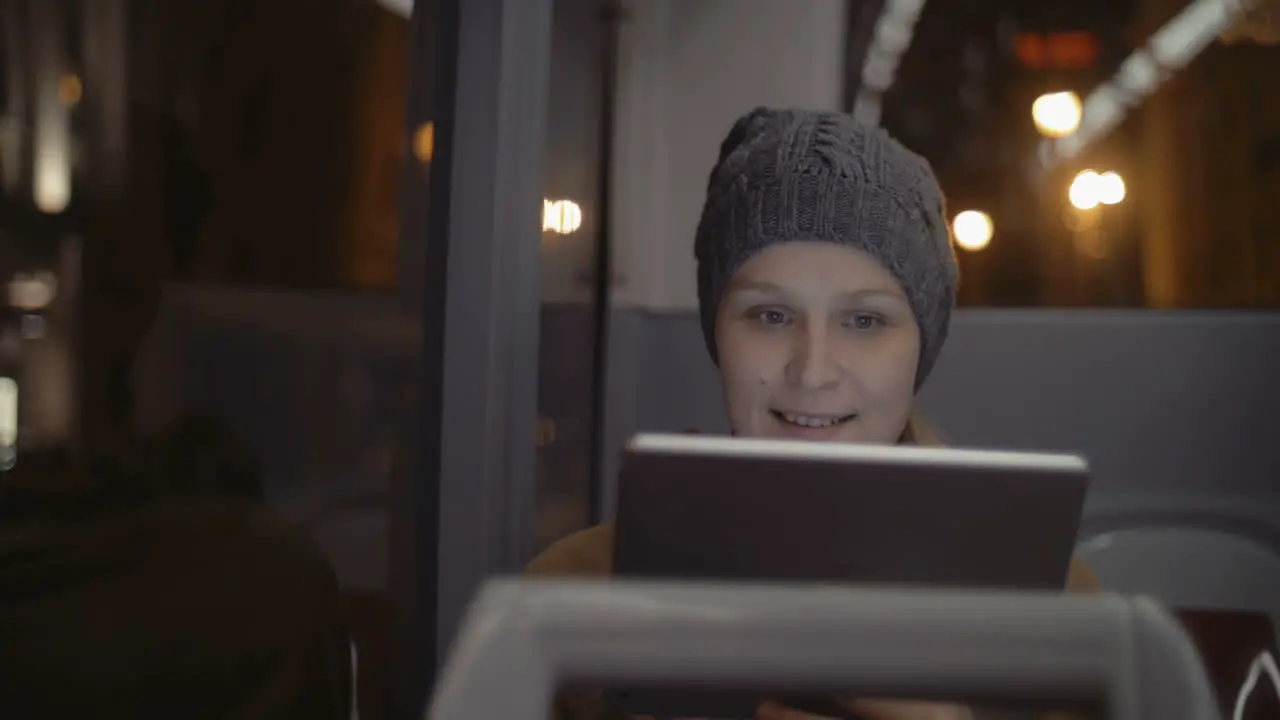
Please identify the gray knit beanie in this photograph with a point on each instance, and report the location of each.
(788, 175)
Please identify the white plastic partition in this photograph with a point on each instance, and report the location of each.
(523, 639)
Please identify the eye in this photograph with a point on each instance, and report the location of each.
(772, 317)
(865, 321)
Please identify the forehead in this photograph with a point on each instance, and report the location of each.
(814, 268)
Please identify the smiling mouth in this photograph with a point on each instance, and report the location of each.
(812, 421)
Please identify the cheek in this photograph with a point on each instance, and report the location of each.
(887, 391)
(888, 377)
(893, 393)
(744, 369)
(743, 382)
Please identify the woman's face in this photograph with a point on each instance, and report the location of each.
(817, 342)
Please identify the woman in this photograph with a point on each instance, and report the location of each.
(826, 281)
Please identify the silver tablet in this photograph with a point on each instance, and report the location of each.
(710, 507)
(723, 508)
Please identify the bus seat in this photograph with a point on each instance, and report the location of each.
(530, 637)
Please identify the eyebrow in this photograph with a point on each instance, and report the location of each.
(762, 286)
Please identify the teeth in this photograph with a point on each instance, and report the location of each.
(809, 421)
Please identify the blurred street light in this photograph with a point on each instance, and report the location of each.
(1057, 114)
(424, 142)
(70, 89)
(561, 216)
(8, 421)
(1084, 190)
(973, 230)
(1091, 189)
(1111, 190)
(32, 291)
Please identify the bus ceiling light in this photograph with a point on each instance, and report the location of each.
(403, 8)
(1057, 114)
(972, 230)
(1170, 49)
(890, 38)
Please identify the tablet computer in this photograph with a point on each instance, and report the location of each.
(725, 508)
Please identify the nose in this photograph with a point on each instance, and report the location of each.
(813, 364)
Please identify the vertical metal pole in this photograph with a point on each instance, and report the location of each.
(414, 191)
(612, 16)
(415, 488)
(470, 507)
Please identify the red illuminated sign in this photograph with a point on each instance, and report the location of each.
(1060, 51)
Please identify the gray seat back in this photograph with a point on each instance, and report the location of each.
(522, 639)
